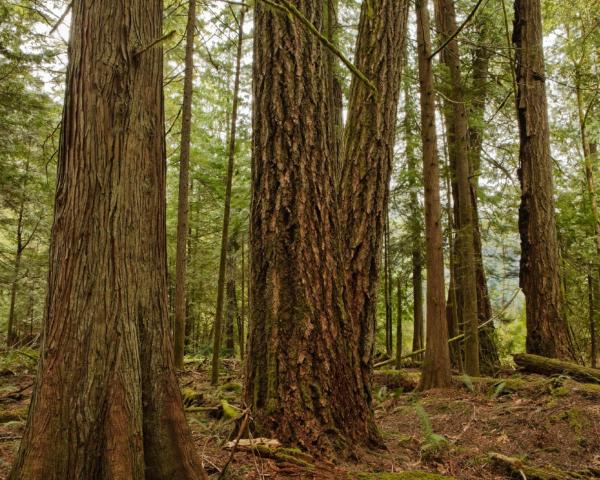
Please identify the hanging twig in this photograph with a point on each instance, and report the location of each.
(287, 7)
(165, 37)
(458, 30)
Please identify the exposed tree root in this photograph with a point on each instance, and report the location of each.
(519, 469)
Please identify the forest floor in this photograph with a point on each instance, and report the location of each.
(549, 425)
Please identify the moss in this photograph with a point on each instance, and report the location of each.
(232, 387)
(228, 410)
(415, 475)
(13, 415)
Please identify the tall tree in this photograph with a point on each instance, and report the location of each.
(458, 129)
(310, 345)
(227, 208)
(436, 365)
(399, 323)
(182, 205)
(547, 330)
(106, 403)
(410, 125)
(367, 152)
(479, 90)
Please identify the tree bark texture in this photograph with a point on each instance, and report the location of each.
(436, 365)
(458, 130)
(305, 382)
(547, 330)
(106, 403)
(182, 205)
(367, 159)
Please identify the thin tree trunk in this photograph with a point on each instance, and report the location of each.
(458, 130)
(106, 403)
(488, 350)
(399, 323)
(456, 357)
(592, 315)
(232, 313)
(436, 365)
(387, 287)
(182, 203)
(227, 208)
(11, 337)
(242, 316)
(547, 331)
(415, 220)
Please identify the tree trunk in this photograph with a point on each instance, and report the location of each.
(242, 316)
(399, 323)
(227, 208)
(547, 331)
(367, 158)
(11, 336)
(387, 287)
(232, 314)
(106, 403)
(489, 358)
(592, 317)
(305, 380)
(182, 204)
(436, 365)
(457, 127)
(415, 220)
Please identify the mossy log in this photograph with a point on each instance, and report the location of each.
(13, 415)
(271, 448)
(519, 469)
(393, 379)
(551, 366)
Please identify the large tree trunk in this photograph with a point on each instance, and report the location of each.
(305, 380)
(436, 365)
(227, 208)
(106, 403)
(547, 330)
(458, 130)
(182, 205)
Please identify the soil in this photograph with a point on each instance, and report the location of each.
(544, 421)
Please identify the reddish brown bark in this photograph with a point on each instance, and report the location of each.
(107, 403)
(436, 365)
(458, 129)
(547, 330)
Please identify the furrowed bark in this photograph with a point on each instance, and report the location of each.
(182, 203)
(457, 127)
(106, 403)
(547, 330)
(305, 380)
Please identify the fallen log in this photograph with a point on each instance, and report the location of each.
(551, 366)
(519, 469)
(393, 379)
